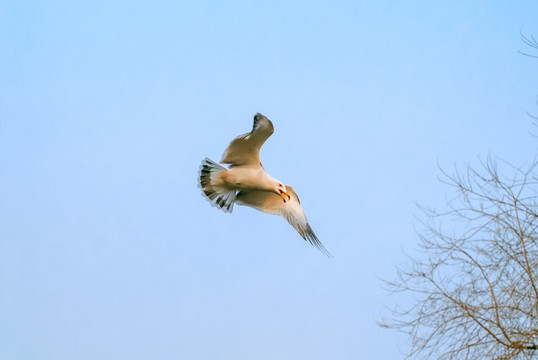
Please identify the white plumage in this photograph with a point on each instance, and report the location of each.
(247, 183)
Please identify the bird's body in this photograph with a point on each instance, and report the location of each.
(247, 183)
(247, 178)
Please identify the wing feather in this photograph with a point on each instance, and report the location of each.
(291, 210)
(245, 149)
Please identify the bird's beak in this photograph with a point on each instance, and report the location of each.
(283, 195)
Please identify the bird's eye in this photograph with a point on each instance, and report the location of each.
(280, 185)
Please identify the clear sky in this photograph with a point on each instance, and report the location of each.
(108, 249)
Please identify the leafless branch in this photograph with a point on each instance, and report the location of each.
(476, 289)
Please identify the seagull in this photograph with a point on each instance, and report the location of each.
(247, 183)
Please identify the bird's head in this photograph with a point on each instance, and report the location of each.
(281, 190)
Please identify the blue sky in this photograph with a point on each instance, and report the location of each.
(107, 248)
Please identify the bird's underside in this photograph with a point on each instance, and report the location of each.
(246, 182)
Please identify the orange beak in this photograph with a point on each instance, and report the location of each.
(283, 195)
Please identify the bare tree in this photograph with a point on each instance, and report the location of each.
(531, 42)
(476, 293)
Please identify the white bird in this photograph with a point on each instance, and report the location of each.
(247, 183)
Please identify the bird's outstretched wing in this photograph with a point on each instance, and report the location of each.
(245, 149)
(291, 210)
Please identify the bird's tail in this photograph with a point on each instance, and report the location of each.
(218, 196)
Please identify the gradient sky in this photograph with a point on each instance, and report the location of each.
(109, 251)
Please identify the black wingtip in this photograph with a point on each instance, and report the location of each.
(313, 239)
(221, 200)
(258, 117)
(263, 122)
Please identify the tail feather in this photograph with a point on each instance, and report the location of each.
(220, 197)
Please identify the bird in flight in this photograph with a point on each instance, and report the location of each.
(246, 182)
